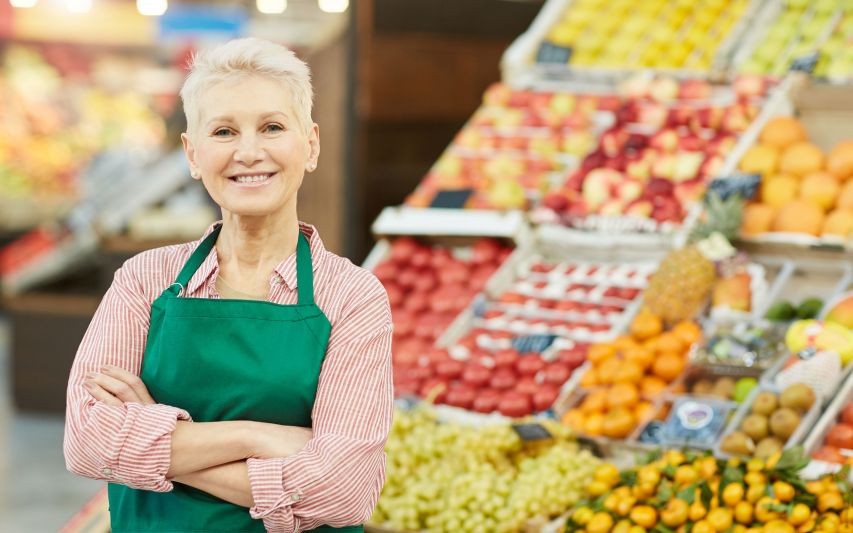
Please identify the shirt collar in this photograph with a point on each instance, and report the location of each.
(285, 271)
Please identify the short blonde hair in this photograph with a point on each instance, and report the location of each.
(246, 57)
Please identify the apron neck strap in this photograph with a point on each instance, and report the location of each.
(304, 267)
(304, 271)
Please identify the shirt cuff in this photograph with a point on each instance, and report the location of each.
(272, 499)
(145, 455)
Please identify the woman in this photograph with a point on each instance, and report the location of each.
(243, 381)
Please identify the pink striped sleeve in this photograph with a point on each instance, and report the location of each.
(336, 479)
(131, 444)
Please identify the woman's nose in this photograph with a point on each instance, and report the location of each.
(249, 150)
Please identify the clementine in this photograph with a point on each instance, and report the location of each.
(668, 366)
(779, 189)
(821, 189)
(595, 401)
(799, 216)
(589, 379)
(574, 418)
(688, 330)
(757, 219)
(760, 158)
(641, 356)
(782, 131)
(669, 342)
(622, 395)
(840, 159)
(644, 411)
(593, 424)
(598, 353)
(628, 372)
(801, 158)
(838, 222)
(646, 325)
(607, 371)
(845, 197)
(624, 343)
(618, 424)
(651, 386)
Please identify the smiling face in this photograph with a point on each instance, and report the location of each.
(249, 149)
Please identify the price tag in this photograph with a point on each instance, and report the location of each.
(533, 343)
(454, 199)
(589, 444)
(553, 53)
(529, 432)
(806, 63)
(746, 185)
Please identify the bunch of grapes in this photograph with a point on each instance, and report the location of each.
(448, 477)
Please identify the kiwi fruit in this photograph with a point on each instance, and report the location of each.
(799, 397)
(737, 443)
(765, 403)
(767, 447)
(783, 422)
(755, 426)
(724, 388)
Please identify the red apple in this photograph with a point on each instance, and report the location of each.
(440, 258)
(515, 405)
(402, 249)
(840, 436)
(557, 373)
(529, 365)
(694, 90)
(527, 385)
(502, 379)
(545, 397)
(416, 302)
(434, 386)
(460, 395)
(386, 271)
(830, 454)
(487, 401)
(847, 414)
(395, 295)
(505, 358)
(476, 375)
(572, 357)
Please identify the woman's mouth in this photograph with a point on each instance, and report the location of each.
(252, 180)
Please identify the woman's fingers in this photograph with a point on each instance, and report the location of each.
(100, 394)
(118, 388)
(132, 380)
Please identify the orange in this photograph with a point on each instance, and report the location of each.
(598, 353)
(782, 131)
(618, 423)
(821, 189)
(757, 219)
(779, 189)
(644, 411)
(651, 386)
(607, 371)
(799, 216)
(593, 424)
(668, 366)
(595, 401)
(845, 197)
(689, 331)
(760, 158)
(801, 158)
(646, 325)
(628, 372)
(641, 356)
(840, 159)
(623, 343)
(574, 418)
(589, 379)
(838, 222)
(669, 342)
(622, 395)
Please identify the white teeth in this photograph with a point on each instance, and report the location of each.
(253, 179)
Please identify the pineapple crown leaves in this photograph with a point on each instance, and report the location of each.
(721, 216)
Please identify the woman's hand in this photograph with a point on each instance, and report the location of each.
(116, 386)
(271, 440)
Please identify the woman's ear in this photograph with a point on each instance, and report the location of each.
(189, 151)
(313, 147)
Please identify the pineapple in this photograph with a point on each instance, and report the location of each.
(686, 276)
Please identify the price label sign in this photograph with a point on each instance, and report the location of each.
(533, 343)
(806, 63)
(531, 432)
(553, 53)
(454, 199)
(746, 185)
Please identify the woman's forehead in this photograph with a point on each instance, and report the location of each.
(250, 96)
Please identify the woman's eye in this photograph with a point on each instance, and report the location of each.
(274, 127)
(222, 132)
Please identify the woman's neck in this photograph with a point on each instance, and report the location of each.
(249, 249)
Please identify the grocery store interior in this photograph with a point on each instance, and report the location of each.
(616, 238)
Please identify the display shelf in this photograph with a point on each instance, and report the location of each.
(450, 222)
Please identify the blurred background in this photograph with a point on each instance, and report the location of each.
(91, 170)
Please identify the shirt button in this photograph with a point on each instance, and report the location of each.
(278, 279)
(294, 497)
(107, 472)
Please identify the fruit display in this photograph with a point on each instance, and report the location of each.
(52, 126)
(784, 310)
(746, 344)
(513, 147)
(668, 139)
(445, 477)
(821, 335)
(687, 421)
(840, 310)
(799, 29)
(702, 381)
(677, 491)
(427, 287)
(626, 375)
(804, 189)
(519, 348)
(681, 285)
(770, 420)
(660, 35)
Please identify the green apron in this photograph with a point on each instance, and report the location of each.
(225, 360)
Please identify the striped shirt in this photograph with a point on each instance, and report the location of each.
(336, 479)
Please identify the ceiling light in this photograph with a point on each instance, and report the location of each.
(334, 6)
(271, 7)
(79, 6)
(151, 8)
(22, 3)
